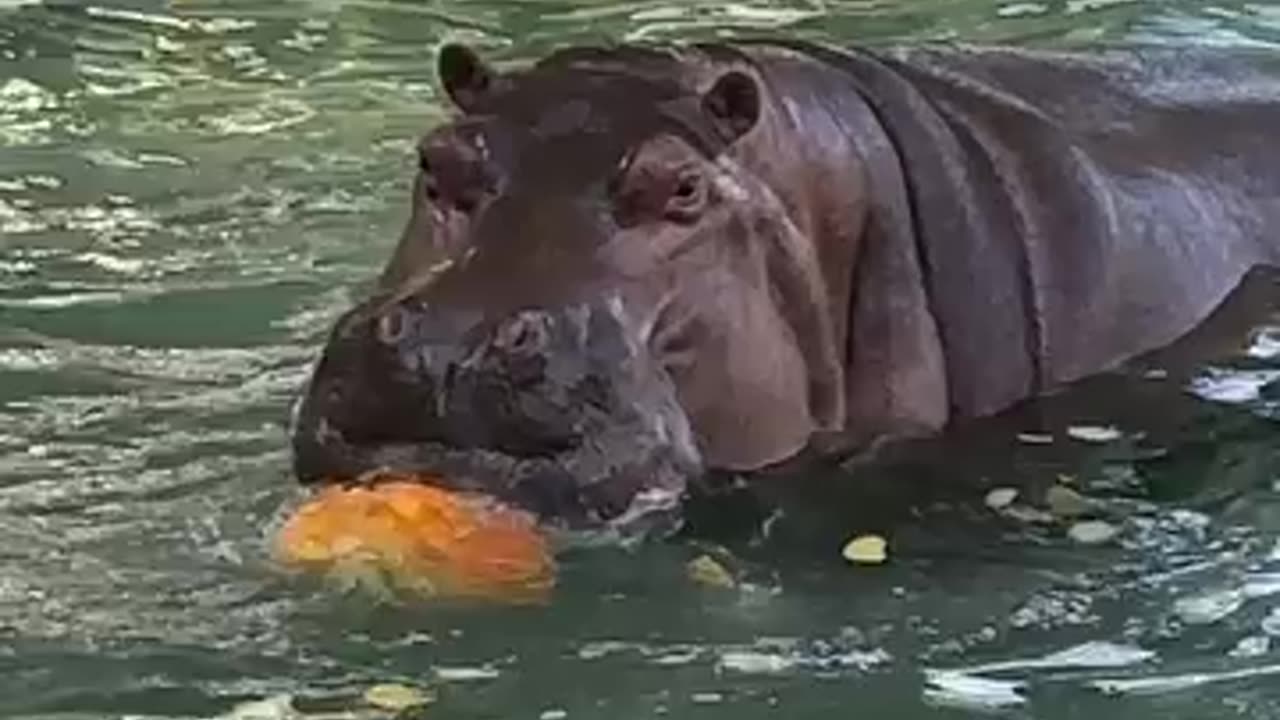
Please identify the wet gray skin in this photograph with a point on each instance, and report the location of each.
(518, 344)
(559, 412)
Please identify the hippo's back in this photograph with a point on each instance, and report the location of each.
(1121, 193)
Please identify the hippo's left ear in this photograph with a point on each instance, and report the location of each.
(466, 77)
(733, 104)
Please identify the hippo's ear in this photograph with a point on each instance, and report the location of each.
(733, 104)
(465, 76)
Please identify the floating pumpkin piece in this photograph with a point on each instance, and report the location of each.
(705, 570)
(420, 538)
(1065, 502)
(866, 550)
(396, 697)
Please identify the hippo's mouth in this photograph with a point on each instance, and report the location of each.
(615, 468)
(588, 495)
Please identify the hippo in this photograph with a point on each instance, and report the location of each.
(628, 267)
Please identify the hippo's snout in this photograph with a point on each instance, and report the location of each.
(558, 410)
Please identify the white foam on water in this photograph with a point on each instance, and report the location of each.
(1265, 345)
(1174, 683)
(113, 263)
(466, 674)
(972, 688)
(1251, 646)
(959, 690)
(1022, 9)
(141, 18)
(1259, 585)
(1209, 607)
(1231, 386)
(1093, 655)
(19, 95)
(750, 662)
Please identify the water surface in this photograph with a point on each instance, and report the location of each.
(190, 191)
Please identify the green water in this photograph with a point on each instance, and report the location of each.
(190, 191)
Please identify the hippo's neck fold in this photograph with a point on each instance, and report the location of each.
(906, 272)
(1073, 211)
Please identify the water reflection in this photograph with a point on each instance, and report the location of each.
(190, 191)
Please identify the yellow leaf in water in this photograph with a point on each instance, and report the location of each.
(395, 697)
(706, 571)
(1065, 502)
(866, 550)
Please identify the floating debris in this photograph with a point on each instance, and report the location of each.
(705, 570)
(1001, 497)
(707, 698)
(1094, 433)
(1065, 502)
(1092, 532)
(553, 714)
(396, 697)
(866, 550)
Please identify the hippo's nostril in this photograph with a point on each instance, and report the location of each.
(525, 334)
(392, 325)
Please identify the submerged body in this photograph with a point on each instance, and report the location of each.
(628, 266)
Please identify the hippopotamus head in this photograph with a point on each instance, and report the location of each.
(583, 312)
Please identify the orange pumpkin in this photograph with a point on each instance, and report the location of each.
(422, 538)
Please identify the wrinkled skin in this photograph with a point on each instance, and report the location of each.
(626, 267)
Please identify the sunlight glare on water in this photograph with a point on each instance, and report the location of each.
(191, 191)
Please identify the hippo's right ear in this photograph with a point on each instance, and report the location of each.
(465, 76)
(733, 104)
